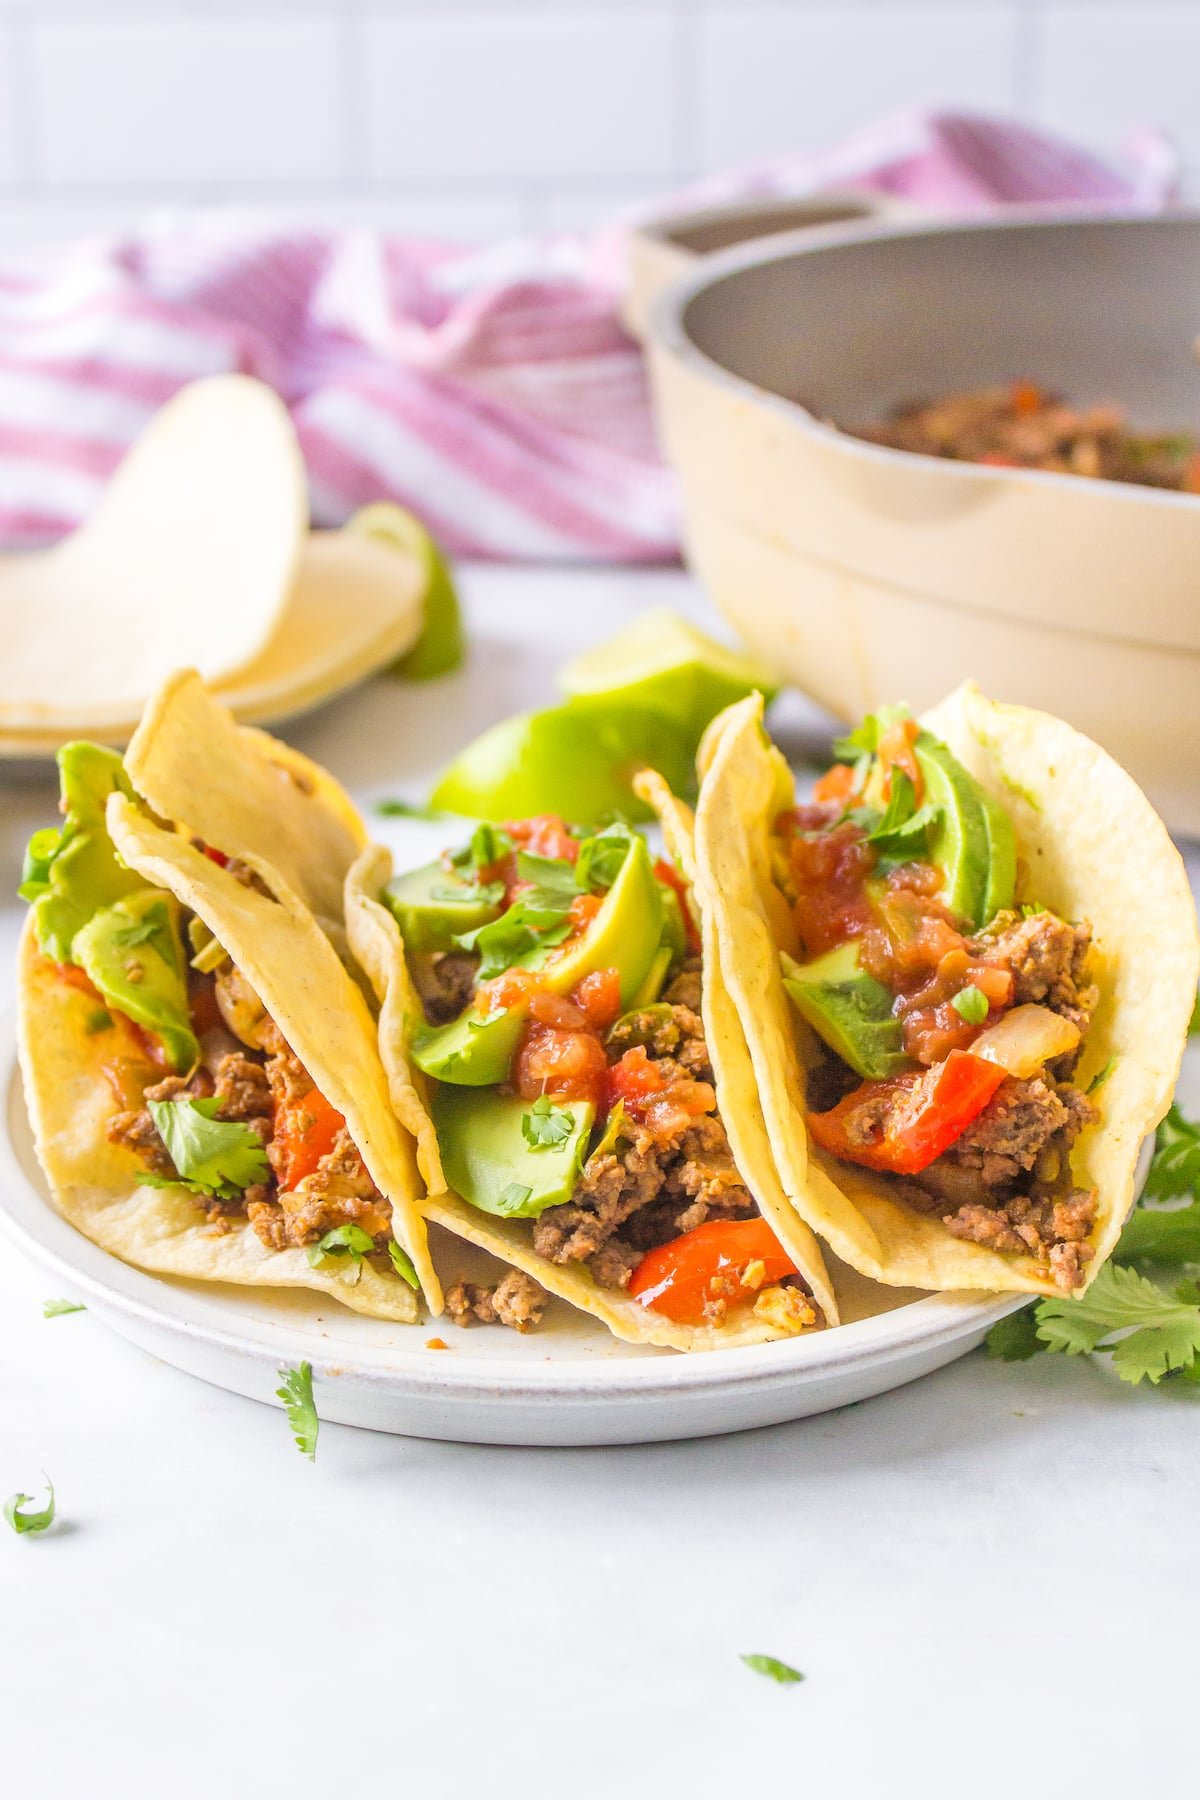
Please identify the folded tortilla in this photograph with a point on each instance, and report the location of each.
(1090, 846)
(241, 792)
(376, 943)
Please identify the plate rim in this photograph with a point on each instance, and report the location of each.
(910, 1329)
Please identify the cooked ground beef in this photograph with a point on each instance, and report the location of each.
(652, 1187)
(1004, 1183)
(445, 983)
(517, 1301)
(1048, 957)
(339, 1191)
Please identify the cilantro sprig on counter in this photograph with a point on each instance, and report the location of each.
(22, 1520)
(1151, 1330)
(300, 1407)
(772, 1668)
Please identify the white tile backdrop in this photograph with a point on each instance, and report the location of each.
(477, 117)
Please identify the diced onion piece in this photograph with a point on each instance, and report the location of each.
(1025, 1039)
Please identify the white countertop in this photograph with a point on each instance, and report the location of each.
(988, 1578)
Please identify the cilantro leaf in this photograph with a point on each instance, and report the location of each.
(1162, 1333)
(22, 1522)
(56, 1309)
(546, 1125)
(903, 831)
(602, 857)
(213, 1156)
(552, 879)
(773, 1668)
(403, 1264)
(1175, 1168)
(970, 1004)
(511, 937)
(864, 739)
(512, 1198)
(1015, 1338)
(487, 893)
(488, 846)
(300, 1407)
(1158, 1234)
(153, 927)
(344, 1240)
(1101, 1076)
(1194, 1021)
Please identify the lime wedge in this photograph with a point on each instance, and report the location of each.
(665, 665)
(441, 646)
(578, 759)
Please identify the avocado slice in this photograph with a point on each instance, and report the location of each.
(849, 1010)
(477, 1051)
(488, 1159)
(433, 905)
(1000, 890)
(959, 841)
(132, 952)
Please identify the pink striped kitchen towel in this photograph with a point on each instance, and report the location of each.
(493, 391)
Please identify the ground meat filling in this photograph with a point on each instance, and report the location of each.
(257, 1086)
(517, 1301)
(656, 1183)
(445, 983)
(1006, 1182)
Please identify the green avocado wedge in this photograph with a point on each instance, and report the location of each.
(488, 1159)
(958, 842)
(132, 953)
(432, 906)
(849, 1010)
(476, 1050)
(1000, 891)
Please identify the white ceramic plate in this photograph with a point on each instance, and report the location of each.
(567, 1383)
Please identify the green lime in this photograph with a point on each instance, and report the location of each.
(577, 759)
(441, 646)
(665, 665)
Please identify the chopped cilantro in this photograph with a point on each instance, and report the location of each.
(602, 857)
(344, 1240)
(300, 1407)
(772, 1668)
(1101, 1076)
(902, 834)
(153, 927)
(512, 1198)
(864, 739)
(513, 935)
(403, 1264)
(21, 1521)
(553, 881)
(413, 809)
(487, 893)
(213, 1156)
(98, 1020)
(488, 845)
(546, 1125)
(970, 1004)
(55, 1309)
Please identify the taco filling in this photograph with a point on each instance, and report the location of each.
(950, 1021)
(570, 1084)
(205, 1089)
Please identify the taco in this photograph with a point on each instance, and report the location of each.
(965, 973)
(202, 1070)
(562, 1049)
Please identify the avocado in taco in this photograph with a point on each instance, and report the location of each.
(201, 1068)
(965, 970)
(561, 1047)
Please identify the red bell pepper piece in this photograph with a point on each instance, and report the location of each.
(903, 1125)
(680, 1278)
